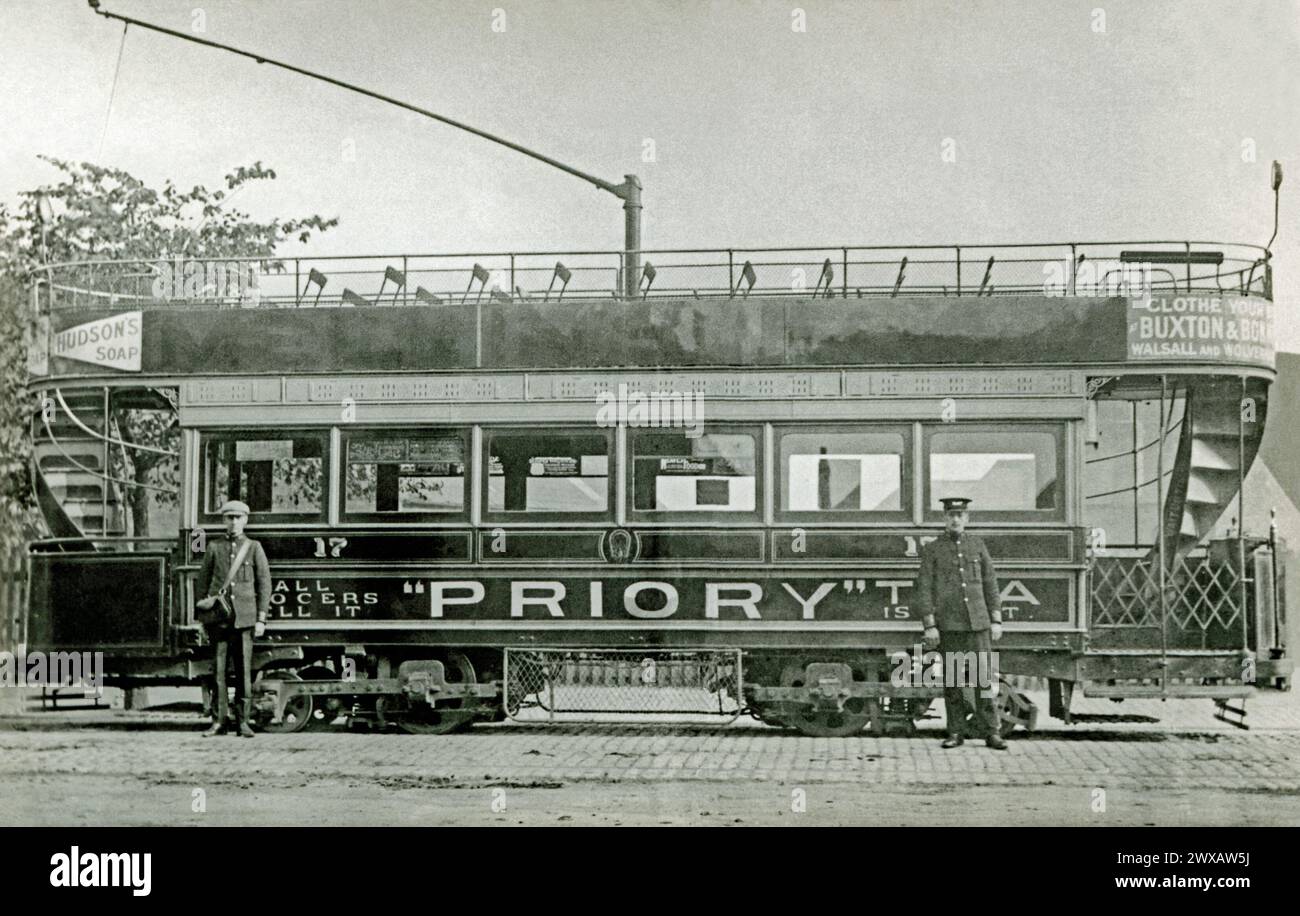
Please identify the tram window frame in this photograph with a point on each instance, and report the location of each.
(524, 516)
(397, 517)
(982, 514)
(261, 517)
(699, 516)
(893, 517)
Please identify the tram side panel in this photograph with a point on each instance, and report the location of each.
(106, 602)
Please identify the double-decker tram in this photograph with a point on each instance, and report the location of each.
(497, 485)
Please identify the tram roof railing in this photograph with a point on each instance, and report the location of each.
(858, 271)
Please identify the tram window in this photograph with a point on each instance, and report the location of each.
(714, 472)
(1006, 470)
(1114, 515)
(844, 472)
(547, 472)
(1122, 466)
(275, 473)
(404, 473)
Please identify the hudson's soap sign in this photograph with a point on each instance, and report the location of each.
(115, 342)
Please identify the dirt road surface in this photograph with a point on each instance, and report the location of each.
(1143, 763)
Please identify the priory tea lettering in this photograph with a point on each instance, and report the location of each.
(812, 598)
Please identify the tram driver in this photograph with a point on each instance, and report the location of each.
(960, 603)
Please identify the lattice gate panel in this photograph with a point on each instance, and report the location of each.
(1200, 594)
(703, 682)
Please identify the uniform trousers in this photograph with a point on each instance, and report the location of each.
(233, 646)
(975, 650)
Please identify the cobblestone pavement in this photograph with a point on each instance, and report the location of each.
(1184, 767)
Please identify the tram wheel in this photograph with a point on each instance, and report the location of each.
(444, 717)
(823, 723)
(776, 721)
(297, 712)
(1008, 713)
(435, 721)
(829, 723)
(324, 710)
(765, 715)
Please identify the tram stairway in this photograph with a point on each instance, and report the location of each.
(1208, 467)
(73, 488)
(1203, 602)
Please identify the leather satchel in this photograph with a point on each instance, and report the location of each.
(222, 611)
(220, 614)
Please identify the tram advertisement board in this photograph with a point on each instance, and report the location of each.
(880, 596)
(1009, 330)
(1194, 328)
(115, 341)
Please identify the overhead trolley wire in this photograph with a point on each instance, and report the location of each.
(112, 93)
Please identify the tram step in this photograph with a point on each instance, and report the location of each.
(70, 444)
(67, 493)
(63, 429)
(64, 432)
(1222, 426)
(1201, 489)
(1233, 715)
(75, 503)
(61, 462)
(1215, 454)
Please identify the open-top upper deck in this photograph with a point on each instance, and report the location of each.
(1189, 303)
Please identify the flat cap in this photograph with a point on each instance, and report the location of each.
(234, 507)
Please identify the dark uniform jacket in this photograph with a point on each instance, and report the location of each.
(250, 593)
(957, 590)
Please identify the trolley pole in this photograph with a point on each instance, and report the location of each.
(1241, 524)
(1160, 535)
(1268, 249)
(629, 191)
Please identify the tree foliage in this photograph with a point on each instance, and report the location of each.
(16, 512)
(103, 213)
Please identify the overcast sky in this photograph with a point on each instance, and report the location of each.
(762, 135)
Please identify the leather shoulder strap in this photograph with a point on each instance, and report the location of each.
(234, 567)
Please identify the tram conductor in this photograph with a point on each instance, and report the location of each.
(960, 604)
(238, 565)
